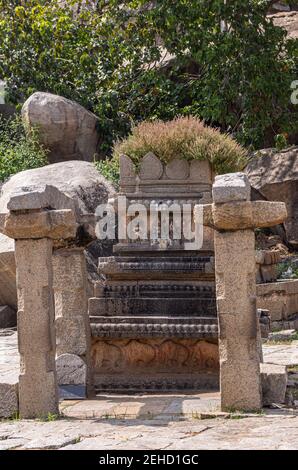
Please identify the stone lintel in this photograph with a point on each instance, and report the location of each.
(54, 224)
(34, 198)
(242, 215)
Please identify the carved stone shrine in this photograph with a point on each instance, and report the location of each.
(153, 319)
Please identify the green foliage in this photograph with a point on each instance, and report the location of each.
(287, 270)
(110, 170)
(281, 141)
(19, 150)
(185, 137)
(136, 60)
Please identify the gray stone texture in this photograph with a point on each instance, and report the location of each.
(73, 185)
(280, 298)
(37, 382)
(71, 304)
(275, 176)
(71, 370)
(287, 20)
(9, 402)
(236, 305)
(231, 187)
(71, 318)
(274, 383)
(266, 265)
(65, 128)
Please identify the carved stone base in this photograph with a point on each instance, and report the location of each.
(123, 365)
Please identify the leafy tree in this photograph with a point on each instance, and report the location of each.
(224, 62)
(19, 150)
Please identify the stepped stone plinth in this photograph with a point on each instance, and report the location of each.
(153, 320)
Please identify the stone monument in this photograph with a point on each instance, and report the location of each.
(153, 320)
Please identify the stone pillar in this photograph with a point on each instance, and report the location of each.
(236, 308)
(234, 217)
(34, 229)
(37, 381)
(71, 306)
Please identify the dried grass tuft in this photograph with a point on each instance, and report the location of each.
(184, 137)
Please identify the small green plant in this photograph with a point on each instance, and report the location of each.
(237, 416)
(15, 416)
(50, 417)
(187, 138)
(109, 169)
(19, 149)
(281, 141)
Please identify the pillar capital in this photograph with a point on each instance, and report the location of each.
(232, 209)
(32, 224)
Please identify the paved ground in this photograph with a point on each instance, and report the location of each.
(170, 421)
(286, 354)
(262, 432)
(9, 356)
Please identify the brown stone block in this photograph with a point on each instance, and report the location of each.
(269, 272)
(155, 363)
(268, 214)
(40, 224)
(234, 215)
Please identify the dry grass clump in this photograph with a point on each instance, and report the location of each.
(184, 137)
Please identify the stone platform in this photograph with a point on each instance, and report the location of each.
(165, 406)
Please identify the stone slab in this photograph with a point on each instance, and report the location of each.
(231, 187)
(261, 432)
(283, 354)
(274, 383)
(280, 298)
(9, 400)
(71, 370)
(72, 392)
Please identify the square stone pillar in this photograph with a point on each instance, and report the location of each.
(234, 217)
(236, 305)
(34, 228)
(71, 305)
(37, 382)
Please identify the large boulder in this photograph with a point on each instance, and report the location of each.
(275, 176)
(8, 292)
(65, 128)
(287, 20)
(74, 184)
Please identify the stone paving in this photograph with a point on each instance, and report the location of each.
(9, 356)
(263, 432)
(168, 421)
(284, 354)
